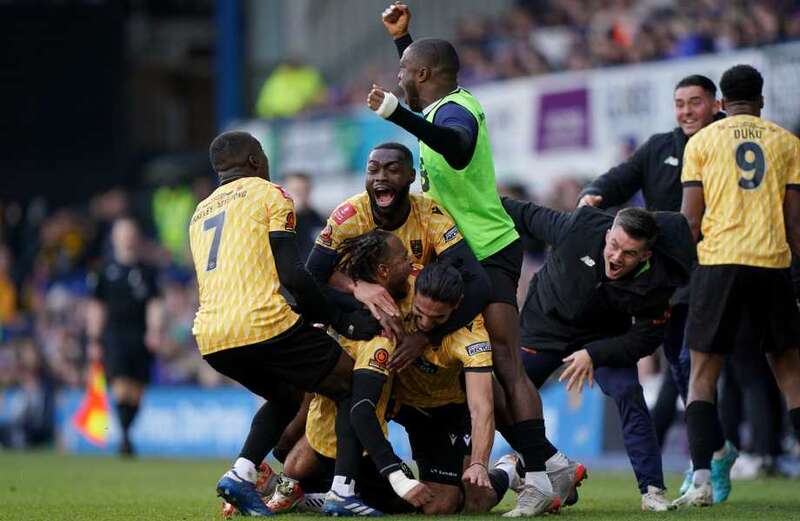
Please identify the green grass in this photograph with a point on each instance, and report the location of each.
(49, 486)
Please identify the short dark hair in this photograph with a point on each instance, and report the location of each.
(741, 83)
(698, 80)
(361, 255)
(639, 224)
(231, 149)
(441, 282)
(408, 158)
(437, 54)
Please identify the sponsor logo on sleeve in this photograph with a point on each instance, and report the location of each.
(379, 359)
(325, 236)
(479, 347)
(291, 222)
(343, 213)
(451, 234)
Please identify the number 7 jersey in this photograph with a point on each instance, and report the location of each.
(745, 165)
(238, 282)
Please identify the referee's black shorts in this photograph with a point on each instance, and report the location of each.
(732, 303)
(301, 357)
(503, 269)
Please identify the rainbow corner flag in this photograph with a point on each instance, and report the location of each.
(92, 418)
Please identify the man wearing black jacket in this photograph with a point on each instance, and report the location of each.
(600, 304)
(655, 169)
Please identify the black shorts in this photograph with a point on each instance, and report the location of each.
(126, 358)
(301, 357)
(374, 489)
(439, 438)
(731, 304)
(504, 269)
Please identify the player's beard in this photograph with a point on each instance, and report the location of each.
(395, 206)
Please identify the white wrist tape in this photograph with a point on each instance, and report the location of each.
(388, 105)
(401, 484)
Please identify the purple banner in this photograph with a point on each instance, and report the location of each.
(563, 121)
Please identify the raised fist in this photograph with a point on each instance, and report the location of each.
(396, 18)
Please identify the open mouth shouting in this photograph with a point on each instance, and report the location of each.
(614, 269)
(384, 196)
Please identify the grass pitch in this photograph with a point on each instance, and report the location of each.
(49, 486)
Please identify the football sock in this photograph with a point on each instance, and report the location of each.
(539, 480)
(348, 450)
(530, 441)
(344, 486)
(510, 469)
(127, 413)
(794, 416)
(266, 428)
(701, 477)
(704, 432)
(499, 478)
(245, 469)
(556, 461)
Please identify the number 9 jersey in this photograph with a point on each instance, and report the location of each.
(240, 302)
(745, 165)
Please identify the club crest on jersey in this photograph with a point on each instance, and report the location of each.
(671, 161)
(450, 234)
(343, 213)
(478, 347)
(379, 359)
(416, 248)
(325, 236)
(291, 222)
(588, 261)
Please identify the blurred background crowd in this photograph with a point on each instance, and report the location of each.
(542, 36)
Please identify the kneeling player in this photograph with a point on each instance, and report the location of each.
(444, 426)
(381, 258)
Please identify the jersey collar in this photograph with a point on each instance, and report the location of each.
(432, 106)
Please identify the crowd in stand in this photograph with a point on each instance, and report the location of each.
(543, 36)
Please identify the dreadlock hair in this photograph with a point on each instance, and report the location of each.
(441, 282)
(361, 255)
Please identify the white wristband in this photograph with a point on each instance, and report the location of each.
(388, 105)
(401, 484)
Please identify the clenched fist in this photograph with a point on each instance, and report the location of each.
(396, 18)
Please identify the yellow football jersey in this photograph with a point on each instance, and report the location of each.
(238, 283)
(744, 165)
(321, 420)
(434, 379)
(428, 231)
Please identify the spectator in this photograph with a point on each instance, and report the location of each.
(309, 221)
(291, 88)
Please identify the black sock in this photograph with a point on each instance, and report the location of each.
(499, 480)
(266, 428)
(507, 432)
(704, 432)
(530, 441)
(794, 416)
(348, 447)
(127, 413)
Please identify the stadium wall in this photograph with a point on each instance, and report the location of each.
(199, 422)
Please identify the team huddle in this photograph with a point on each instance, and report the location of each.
(406, 308)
